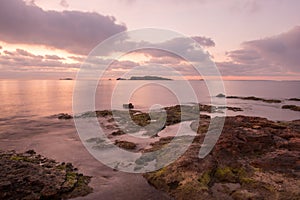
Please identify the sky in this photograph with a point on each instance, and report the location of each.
(246, 39)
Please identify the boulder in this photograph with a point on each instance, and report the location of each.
(128, 106)
(64, 116)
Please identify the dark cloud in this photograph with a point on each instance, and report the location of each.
(53, 57)
(269, 56)
(204, 41)
(74, 31)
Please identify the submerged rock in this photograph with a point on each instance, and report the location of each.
(118, 132)
(31, 176)
(294, 99)
(64, 116)
(128, 106)
(291, 107)
(255, 99)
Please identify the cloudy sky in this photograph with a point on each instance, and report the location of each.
(247, 39)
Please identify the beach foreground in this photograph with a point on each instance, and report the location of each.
(254, 158)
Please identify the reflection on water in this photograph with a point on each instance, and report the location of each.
(27, 98)
(35, 97)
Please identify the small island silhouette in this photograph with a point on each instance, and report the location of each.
(66, 79)
(145, 78)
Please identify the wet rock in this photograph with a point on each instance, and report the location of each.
(64, 116)
(125, 145)
(103, 113)
(234, 109)
(254, 158)
(283, 161)
(224, 190)
(31, 176)
(243, 194)
(291, 107)
(294, 99)
(255, 99)
(118, 132)
(128, 106)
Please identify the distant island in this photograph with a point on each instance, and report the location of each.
(118, 79)
(145, 78)
(66, 79)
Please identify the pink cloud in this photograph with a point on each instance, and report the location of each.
(271, 56)
(73, 31)
(204, 41)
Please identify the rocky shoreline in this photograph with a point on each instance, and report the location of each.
(254, 158)
(276, 101)
(31, 176)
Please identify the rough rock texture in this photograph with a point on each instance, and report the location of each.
(30, 176)
(291, 107)
(254, 158)
(125, 144)
(64, 116)
(294, 99)
(132, 121)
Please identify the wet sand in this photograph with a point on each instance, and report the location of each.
(58, 139)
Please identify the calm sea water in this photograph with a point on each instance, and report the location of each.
(34, 98)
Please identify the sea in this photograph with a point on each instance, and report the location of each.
(35, 98)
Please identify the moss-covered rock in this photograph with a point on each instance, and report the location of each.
(254, 158)
(30, 176)
(125, 145)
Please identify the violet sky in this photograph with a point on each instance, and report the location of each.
(247, 39)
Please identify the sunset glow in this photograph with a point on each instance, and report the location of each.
(240, 36)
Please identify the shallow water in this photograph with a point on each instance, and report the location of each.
(57, 139)
(28, 98)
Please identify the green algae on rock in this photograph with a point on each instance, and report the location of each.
(31, 176)
(125, 145)
(254, 159)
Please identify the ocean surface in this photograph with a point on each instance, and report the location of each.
(35, 98)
